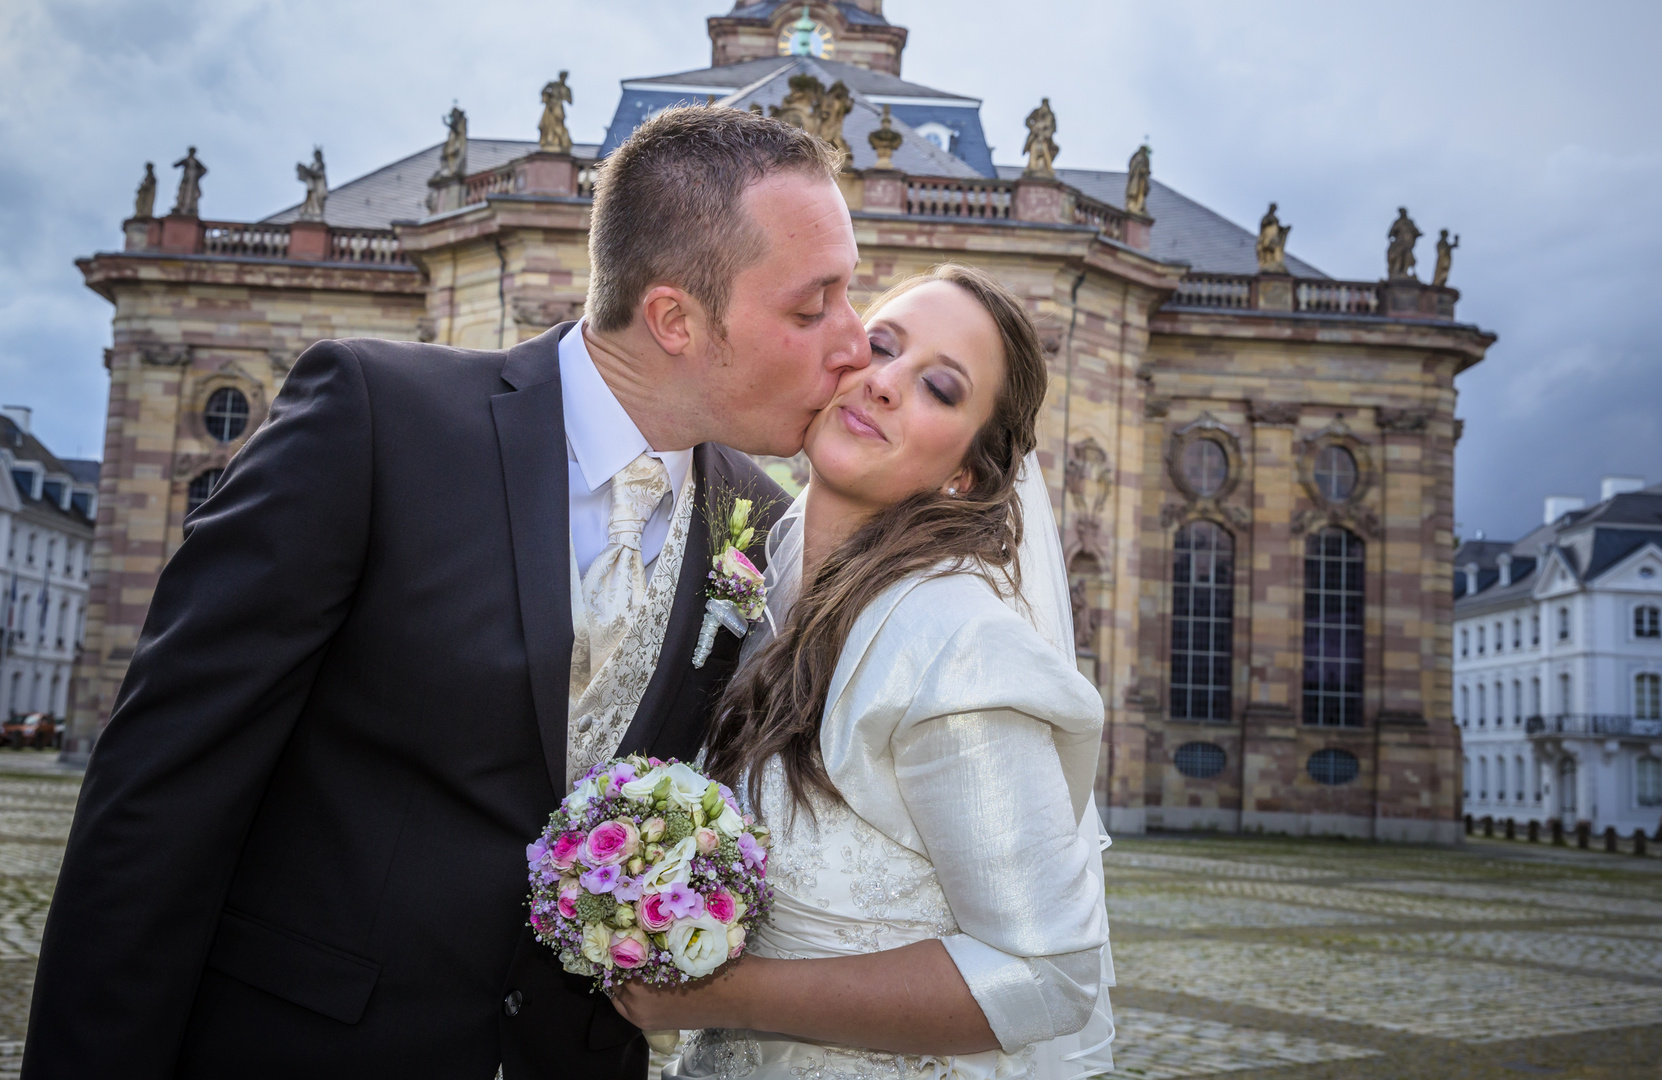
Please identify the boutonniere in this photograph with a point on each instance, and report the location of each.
(737, 594)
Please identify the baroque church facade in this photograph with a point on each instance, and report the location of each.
(1251, 461)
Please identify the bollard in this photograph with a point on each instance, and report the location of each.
(1557, 832)
(1583, 834)
(1534, 832)
(1488, 825)
(1638, 841)
(1469, 827)
(1610, 839)
(1511, 829)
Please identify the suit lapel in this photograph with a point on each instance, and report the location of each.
(685, 617)
(530, 432)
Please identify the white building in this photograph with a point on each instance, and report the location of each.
(1558, 665)
(46, 525)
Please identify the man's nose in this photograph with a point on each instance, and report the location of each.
(852, 350)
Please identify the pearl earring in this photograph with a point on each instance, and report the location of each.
(952, 491)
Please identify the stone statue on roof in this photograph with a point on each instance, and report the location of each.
(144, 203)
(1399, 256)
(453, 158)
(190, 184)
(885, 140)
(552, 136)
(1041, 148)
(834, 107)
(1445, 258)
(800, 107)
(1272, 244)
(317, 186)
(1136, 182)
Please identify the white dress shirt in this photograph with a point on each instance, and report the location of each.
(601, 440)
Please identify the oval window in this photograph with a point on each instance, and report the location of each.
(1335, 473)
(1205, 466)
(1200, 760)
(227, 413)
(1333, 766)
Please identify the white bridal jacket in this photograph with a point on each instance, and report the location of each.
(964, 745)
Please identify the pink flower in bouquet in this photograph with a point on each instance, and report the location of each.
(707, 840)
(611, 843)
(739, 570)
(628, 889)
(629, 948)
(602, 879)
(653, 914)
(652, 829)
(735, 941)
(681, 901)
(568, 899)
(755, 856)
(566, 847)
(721, 906)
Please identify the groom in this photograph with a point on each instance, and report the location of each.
(431, 590)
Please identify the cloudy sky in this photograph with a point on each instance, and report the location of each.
(1529, 128)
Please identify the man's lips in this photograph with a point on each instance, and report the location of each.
(859, 423)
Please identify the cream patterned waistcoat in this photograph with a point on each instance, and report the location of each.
(603, 703)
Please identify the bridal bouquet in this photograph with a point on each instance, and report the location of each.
(647, 871)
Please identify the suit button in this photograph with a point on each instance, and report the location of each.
(512, 1002)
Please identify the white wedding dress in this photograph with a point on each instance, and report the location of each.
(964, 744)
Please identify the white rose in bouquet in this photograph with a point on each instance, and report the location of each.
(697, 946)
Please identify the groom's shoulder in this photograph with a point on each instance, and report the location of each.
(416, 363)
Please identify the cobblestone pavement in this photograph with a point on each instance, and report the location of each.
(1250, 959)
(1277, 959)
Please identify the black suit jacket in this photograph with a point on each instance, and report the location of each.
(299, 849)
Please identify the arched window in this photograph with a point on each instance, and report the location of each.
(1482, 705)
(1482, 778)
(1333, 625)
(1500, 779)
(1647, 621)
(1203, 620)
(1647, 696)
(1517, 702)
(201, 487)
(1518, 777)
(226, 414)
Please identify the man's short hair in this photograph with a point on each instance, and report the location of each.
(668, 210)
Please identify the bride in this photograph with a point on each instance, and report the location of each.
(916, 736)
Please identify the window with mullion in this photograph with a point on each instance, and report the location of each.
(1333, 627)
(1203, 622)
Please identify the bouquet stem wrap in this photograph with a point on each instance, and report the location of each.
(718, 613)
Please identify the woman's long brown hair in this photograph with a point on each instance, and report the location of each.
(775, 705)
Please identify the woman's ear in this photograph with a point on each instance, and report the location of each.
(959, 483)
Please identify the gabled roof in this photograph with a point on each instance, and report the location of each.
(23, 446)
(398, 192)
(1588, 542)
(731, 77)
(1184, 230)
(916, 155)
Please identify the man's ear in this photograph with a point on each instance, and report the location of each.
(673, 318)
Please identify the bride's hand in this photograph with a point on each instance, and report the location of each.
(715, 1002)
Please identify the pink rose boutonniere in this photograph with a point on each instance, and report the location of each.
(737, 595)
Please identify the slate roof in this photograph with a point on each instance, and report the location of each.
(916, 155)
(732, 77)
(1184, 230)
(1590, 541)
(398, 192)
(25, 447)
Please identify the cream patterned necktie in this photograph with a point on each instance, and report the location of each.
(616, 582)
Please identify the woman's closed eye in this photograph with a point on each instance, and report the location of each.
(945, 390)
(883, 346)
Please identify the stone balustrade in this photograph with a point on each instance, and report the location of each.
(302, 241)
(1594, 724)
(953, 197)
(1314, 296)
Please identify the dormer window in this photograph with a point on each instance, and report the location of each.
(52, 491)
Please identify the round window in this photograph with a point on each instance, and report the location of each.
(1335, 473)
(1333, 766)
(1200, 760)
(1205, 466)
(227, 413)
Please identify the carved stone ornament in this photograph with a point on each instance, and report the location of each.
(1360, 519)
(541, 314)
(165, 355)
(818, 111)
(1403, 421)
(281, 360)
(427, 329)
(1041, 148)
(1399, 254)
(190, 184)
(1350, 507)
(1136, 182)
(885, 140)
(1087, 478)
(552, 136)
(1156, 408)
(1274, 413)
(1272, 244)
